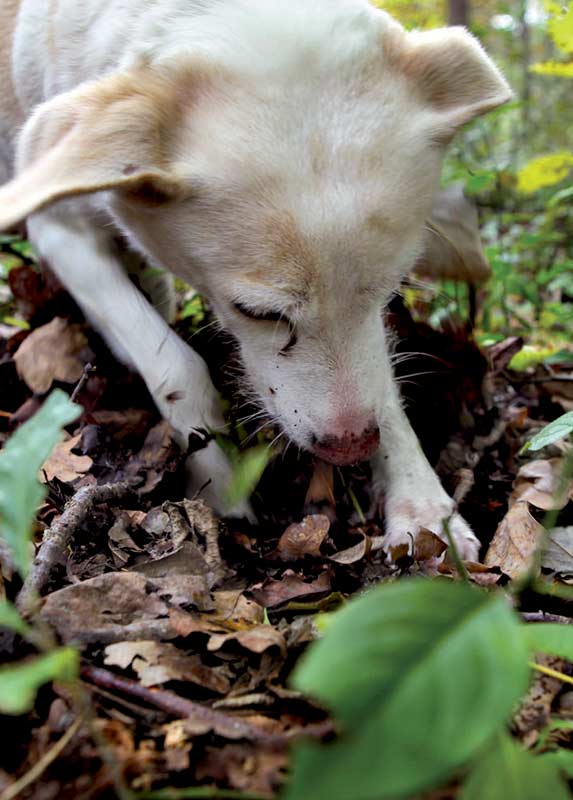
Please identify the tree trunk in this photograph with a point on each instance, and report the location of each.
(459, 12)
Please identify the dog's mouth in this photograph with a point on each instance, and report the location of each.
(348, 450)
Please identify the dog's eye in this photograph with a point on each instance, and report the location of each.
(266, 316)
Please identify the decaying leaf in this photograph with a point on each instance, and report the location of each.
(303, 538)
(57, 351)
(159, 662)
(273, 593)
(541, 483)
(515, 541)
(558, 554)
(65, 465)
(114, 607)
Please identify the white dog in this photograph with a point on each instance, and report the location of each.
(279, 155)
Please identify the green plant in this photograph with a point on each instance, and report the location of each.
(422, 677)
(20, 495)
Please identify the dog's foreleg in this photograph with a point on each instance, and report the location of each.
(82, 255)
(408, 488)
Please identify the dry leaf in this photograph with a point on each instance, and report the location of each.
(65, 465)
(158, 662)
(558, 555)
(114, 607)
(304, 538)
(540, 483)
(516, 539)
(57, 351)
(291, 587)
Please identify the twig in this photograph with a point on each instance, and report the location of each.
(541, 616)
(42, 765)
(57, 537)
(199, 793)
(223, 724)
(553, 673)
(88, 369)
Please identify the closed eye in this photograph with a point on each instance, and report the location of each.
(264, 316)
(270, 316)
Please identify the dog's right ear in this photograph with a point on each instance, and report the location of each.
(109, 134)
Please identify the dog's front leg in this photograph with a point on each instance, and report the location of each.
(408, 488)
(81, 254)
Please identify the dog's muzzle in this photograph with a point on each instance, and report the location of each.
(348, 449)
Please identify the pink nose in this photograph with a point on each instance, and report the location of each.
(348, 449)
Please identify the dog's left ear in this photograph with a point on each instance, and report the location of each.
(453, 75)
(110, 134)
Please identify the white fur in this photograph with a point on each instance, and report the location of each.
(303, 165)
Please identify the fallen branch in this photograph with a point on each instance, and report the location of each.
(220, 723)
(58, 535)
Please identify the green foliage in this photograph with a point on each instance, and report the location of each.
(558, 429)
(11, 619)
(20, 682)
(20, 461)
(420, 675)
(507, 772)
(247, 471)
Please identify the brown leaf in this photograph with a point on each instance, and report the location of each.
(65, 465)
(540, 483)
(159, 455)
(257, 639)
(321, 488)
(272, 593)
(57, 351)
(304, 538)
(558, 555)
(515, 541)
(158, 662)
(355, 553)
(112, 608)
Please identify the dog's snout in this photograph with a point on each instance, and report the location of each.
(349, 448)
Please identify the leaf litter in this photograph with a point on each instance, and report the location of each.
(189, 626)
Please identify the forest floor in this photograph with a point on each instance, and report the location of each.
(190, 626)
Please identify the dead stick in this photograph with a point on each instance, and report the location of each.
(58, 535)
(12, 791)
(223, 724)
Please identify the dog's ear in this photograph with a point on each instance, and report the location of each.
(109, 134)
(453, 74)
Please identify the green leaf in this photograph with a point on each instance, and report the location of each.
(11, 619)
(550, 637)
(20, 491)
(19, 683)
(508, 772)
(420, 675)
(247, 473)
(558, 429)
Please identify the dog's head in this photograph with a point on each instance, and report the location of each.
(289, 182)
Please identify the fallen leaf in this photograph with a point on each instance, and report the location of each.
(353, 554)
(515, 541)
(256, 640)
(321, 488)
(558, 555)
(159, 662)
(540, 483)
(273, 593)
(65, 465)
(114, 607)
(57, 351)
(304, 538)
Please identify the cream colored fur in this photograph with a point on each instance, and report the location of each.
(279, 154)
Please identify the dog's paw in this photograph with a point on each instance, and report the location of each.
(405, 518)
(209, 476)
